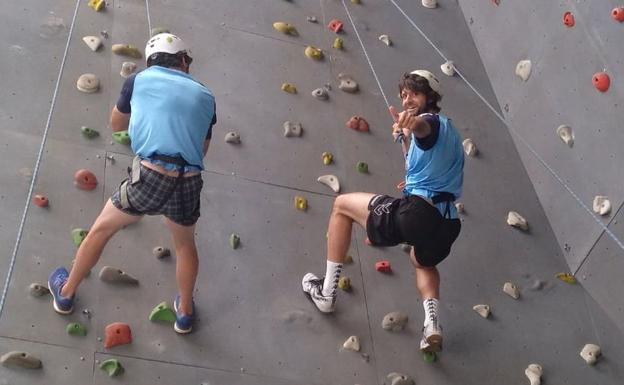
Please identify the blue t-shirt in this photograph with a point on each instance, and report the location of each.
(436, 163)
(171, 114)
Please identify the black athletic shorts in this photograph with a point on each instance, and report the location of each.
(414, 221)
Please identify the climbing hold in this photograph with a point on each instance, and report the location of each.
(338, 43)
(234, 241)
(126, 50)
(162, 312)
(566, 134)
(460, 207)
(355, 1)
(429, 357)
(618, 14)
(347, 84)
(348, 259)
(21, 360)
(394, 321)
(320, 93)
(399, 379)
(383, 267)
(285, 28)
(127, 68)
(98, 5)
(511, 290)
(335, 25)
(313, 53)
(93, 42)
(117, 333)
(385, 39)
(112, 366)
(88, 132)
(88, 83)
(358, 123)
(232, 137)
(327, 157)
(602, 205)
(362, 167)
(352, 343)
(523, 69)
(158, 30)
(40, 200)
(601, 81)
(344, 283)
(104, 34)
(161, 252)
(591, 353)
(429, 3)
(37, 290)
(312, 19)
(534, 374)
(566, 277)
(122, 137)
(78, 235)
(482, 310)
(289, 87)
(448, 68)
(301, 203)
(76, 329)
(115, 275)
(330, 181)
(470, 148)
(516, 220)
(568, 19)
(292, 129)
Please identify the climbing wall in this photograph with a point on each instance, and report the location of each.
(255, 326)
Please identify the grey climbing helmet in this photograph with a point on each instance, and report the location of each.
(165, 43)
(434, 83)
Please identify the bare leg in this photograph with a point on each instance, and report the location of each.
(187, 263)
(347, 209)
(110, 220)
(427, 279)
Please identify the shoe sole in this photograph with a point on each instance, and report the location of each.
(56, 308)
(313, 303)
(434, 343)
(175, 324)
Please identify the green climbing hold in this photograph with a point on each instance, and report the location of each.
(112, 366)
(429, 357)
(76, 329)
(88, 132)
(162, 312)
(78, 235)
(362, 167)
(234, 241)
(121, 137)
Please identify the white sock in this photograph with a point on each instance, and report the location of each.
(431, 309)
(332, 275)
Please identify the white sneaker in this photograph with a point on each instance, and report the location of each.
(313, 287)
(432, 337)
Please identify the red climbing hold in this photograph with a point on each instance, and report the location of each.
(601, 81)
(496, 2)
(618, 14)
(383, 267)
(335, 25)
(568, 19)
(117, 333)
(40, 200)
(358, 123)
(85, 179)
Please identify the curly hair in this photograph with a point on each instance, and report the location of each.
(417, 83)
(168, 60)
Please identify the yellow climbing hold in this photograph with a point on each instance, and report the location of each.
(566, 277)
(126, 50)
(355, 1)
(314, 53)
(98, 5)
(328, 158)
(285, 28)
(301, 203)
(338, 43)
(289, 87)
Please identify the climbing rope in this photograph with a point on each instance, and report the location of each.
(149, 20)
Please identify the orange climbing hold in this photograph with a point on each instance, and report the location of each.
(358, 123)
(335, 25)
(618, 14)
(601, 81)
(85, 179)
(40, 200)
(117, 333)
(568, 19)
(383, 267)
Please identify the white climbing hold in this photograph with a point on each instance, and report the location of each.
(460, 207)
(590, 353)
(127, 68)
(523, 69)
(482, 310)
(448, 68)
(115, 275)
(470, 148)
(566, 134)
(312, 19)
(534, 374)
(20, 359)
(38, 290)
(88, 83)
(386, 40)
(232, 137)
(93, 42)
(394, 321)
(602, 205)
(511, 290)
(292, 129)
(330, 181)
(430, 3)
(352, 343)
(395, 378)
(320, 93)
(516, 220)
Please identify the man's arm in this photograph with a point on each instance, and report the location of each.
(206, 145)
(118, 120)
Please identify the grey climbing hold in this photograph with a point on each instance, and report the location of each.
(566, 134)
(352, 343)
(78, 235)
(37, 290)
(158, 30)
(590, 353)
(523, 69)
(470, 148)
(601, 205)
(395, 378)
(112, 366)
(430, 3)
(482, 310)
(127, 68)
(292, 129)
(162, 312)
(394, 321)
(234, 241)
(330, 181)
(516, 220)
(89, 132)
(511, 290)
(460, 207)
(20, 360)
(76, 329)
(93, 42)
(232, 138)
(448, 68)
(534, 373)
(161, 252)
(347, 83)
(320, 93)
(115, 275)
(386, 40)
(312, 19)
(88, 83)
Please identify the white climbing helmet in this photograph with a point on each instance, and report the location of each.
(434, 83)
(165, 42)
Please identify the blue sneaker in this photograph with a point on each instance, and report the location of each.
(184, 322)
(56, 281)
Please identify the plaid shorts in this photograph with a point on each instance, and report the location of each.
(157, 194)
